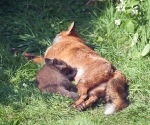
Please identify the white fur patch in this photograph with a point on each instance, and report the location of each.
(110, 109)
(57, 39)
(79, 75)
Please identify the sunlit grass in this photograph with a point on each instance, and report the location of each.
(31, 26)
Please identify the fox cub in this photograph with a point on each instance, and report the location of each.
(55, 77)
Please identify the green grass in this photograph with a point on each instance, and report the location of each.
(31, 25)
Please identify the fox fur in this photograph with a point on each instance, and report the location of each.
(55, 77)
(96, 77)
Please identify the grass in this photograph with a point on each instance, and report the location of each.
(31, 26)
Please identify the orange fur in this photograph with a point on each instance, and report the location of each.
(96, 76)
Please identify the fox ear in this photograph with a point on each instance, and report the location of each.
(71, 29)
(49, 61)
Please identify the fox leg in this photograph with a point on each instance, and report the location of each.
(99, 76)
(28, 56)
(34, 58)
(65, 92)
(87, 103)
(93, 95)
(82, 89)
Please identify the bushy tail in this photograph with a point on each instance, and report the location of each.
(116, 93)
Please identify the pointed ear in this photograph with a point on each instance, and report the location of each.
(49, 61)
(71, 29)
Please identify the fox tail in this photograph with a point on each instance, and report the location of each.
(116, 93)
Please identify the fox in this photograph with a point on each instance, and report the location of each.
(96, 77)
(55, 76)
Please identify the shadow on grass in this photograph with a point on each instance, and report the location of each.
(31, 26)
(14, 76)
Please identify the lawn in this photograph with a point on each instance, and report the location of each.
(121, 37)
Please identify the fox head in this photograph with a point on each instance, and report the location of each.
(69, 35)
(60, 65)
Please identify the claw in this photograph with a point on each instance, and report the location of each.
(72, 106)
(80, 107)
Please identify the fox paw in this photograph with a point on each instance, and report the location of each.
(72, 106)
(80, 107)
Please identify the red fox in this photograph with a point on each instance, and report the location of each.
(55, 77)
(96, 77)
